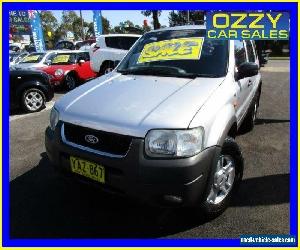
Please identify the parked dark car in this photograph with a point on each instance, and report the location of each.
(29, 90)
(64, 45)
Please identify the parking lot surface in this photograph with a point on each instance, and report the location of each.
(44, 205)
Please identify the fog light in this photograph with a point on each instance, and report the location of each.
(173, 199)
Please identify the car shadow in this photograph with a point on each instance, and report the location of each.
(16, 111)
(269, 121)
(264, 190)
(261, 121)
(45, 205)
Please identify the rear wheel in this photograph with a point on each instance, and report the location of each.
(106, 68)
(224, 179)
(33, 100)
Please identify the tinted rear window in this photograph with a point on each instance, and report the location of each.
(119, 42)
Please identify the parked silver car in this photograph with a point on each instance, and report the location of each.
(161, 126)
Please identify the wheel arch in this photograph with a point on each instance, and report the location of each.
(27, 85)
(223, 125)
(105, 63)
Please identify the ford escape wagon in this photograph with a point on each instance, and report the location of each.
(161, 126)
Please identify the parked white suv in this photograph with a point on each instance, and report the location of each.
(161, 126)
(109, 50)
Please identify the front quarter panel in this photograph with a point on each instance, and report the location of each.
(217, 115)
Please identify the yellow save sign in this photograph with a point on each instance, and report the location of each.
(61, 59)
(31, 58)
(174, 49)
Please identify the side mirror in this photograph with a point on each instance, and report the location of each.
(246, 69)
(81, 61)
(116, 63)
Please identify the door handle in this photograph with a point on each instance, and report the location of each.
(250, 83)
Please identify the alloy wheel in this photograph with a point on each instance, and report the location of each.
(223, 180)
(33, 100)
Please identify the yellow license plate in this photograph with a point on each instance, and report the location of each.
(88, 169)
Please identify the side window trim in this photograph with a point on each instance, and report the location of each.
(253, 50)
(246, 51)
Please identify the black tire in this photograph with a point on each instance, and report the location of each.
(70, 81)
(229, 148)
(106, 68)
(33, 100)
(249, 121)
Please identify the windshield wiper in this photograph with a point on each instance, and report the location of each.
(195, 75)
(164, 71)
(155, 70)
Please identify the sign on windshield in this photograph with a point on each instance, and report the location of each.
(61, 59)
(174, 49)
(31, 58)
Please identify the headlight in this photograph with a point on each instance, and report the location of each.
(54, 117)
(174, 143)
(59, 72)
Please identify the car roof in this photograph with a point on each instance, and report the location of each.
(183, 27)
(124, 35)
(69, 51)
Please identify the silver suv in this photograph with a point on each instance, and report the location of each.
(161, 126)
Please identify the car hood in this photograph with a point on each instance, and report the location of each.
(25, 65)
(132, 105)
(52, 68)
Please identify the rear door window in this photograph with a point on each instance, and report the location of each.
(127, 42)
(83, 56)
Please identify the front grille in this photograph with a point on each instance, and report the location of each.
(108, 142)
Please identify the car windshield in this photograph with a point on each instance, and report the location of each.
(179, 53)
(33, 58)
(64, 59)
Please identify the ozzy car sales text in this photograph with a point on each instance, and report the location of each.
(248, 25)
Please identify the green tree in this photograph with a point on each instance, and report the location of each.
(181, 17)
(127, 27)
(49, 24)
(69, 22)
(105, 26)
(155, 14)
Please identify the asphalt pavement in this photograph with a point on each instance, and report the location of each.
(44, 205)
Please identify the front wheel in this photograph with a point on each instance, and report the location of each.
(33, 100)
(70, 82)
(224, 179)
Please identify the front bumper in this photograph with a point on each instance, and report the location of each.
(155, 181)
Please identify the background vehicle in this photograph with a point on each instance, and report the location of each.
(15, 47)
(36, 60)
(16, 57)
(30, 48)
(108, 50)
(161, 127)
(69, 68)
(64, 45)
(85, 45)
(29, 89)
